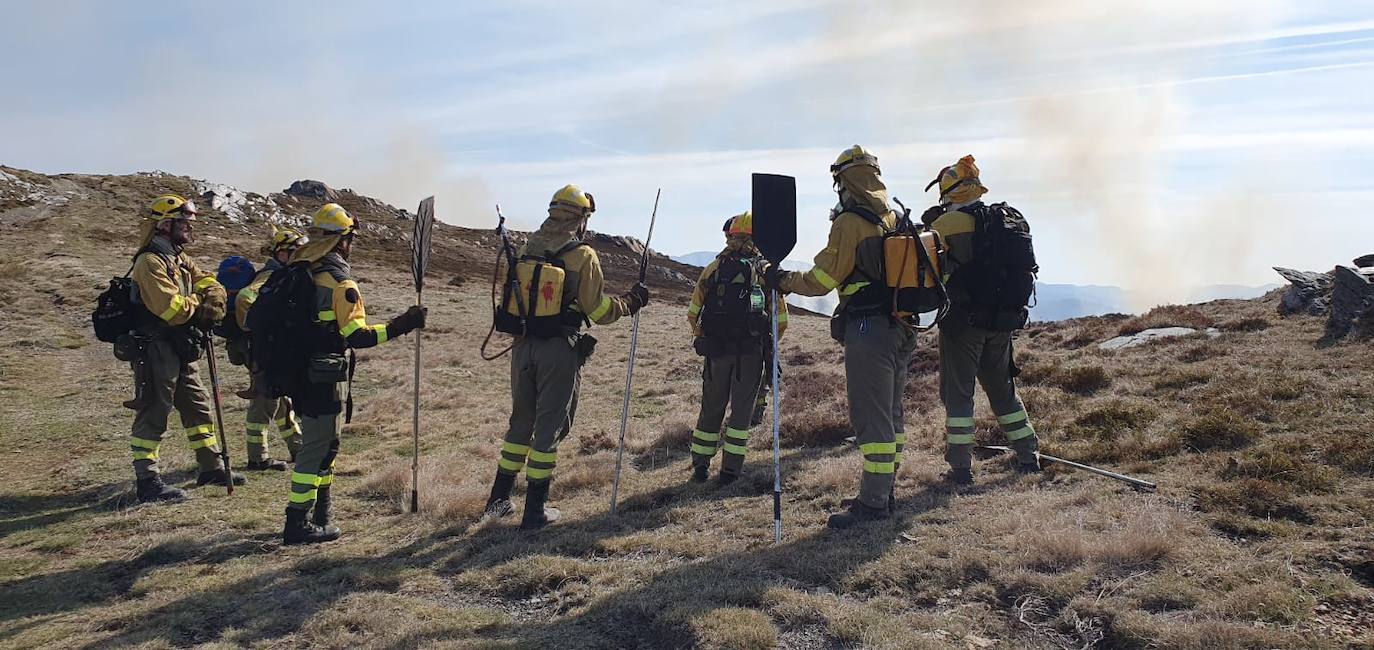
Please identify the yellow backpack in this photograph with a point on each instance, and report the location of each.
(913, 262)
(532, 303)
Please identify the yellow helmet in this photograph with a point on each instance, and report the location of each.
(962, 173)
(742, 224)
(171, 206)
(573, 198)
(285, 239)
(853, 156)
(332, 219)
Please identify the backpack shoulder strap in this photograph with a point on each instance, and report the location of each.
(569, 247)
(869, 216)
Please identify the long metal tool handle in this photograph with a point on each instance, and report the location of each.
(1130, 480)
(625, 411)
(777, 446)
(630, 365)
(415, 424)
(219, 412)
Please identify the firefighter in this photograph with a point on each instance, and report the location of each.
(877, 348)
(341, 324)
(545, 370)
(181, 302)
(975, 338)
(730, 319)
(264, 412)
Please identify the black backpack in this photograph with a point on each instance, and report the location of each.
(116, 313)
(228, 327)
(281, 329)
(1000, 279)
(735, 308)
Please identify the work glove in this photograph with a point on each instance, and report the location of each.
(636, 297)
(211, 308)
(932, 213)
(410, 320)
(772, 278)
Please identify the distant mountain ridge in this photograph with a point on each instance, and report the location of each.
(1053, 301)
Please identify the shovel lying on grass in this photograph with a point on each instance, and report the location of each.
(1131, 481)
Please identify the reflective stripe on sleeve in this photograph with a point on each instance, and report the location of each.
(174, 308)
(824, 278)
(351, 326)
(601, 309)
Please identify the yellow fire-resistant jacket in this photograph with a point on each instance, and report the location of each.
(340, 308)
(956, 228)
(699, 296)
(172, 292)
(849, 262)
(583, 282)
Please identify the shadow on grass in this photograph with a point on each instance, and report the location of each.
(41, 510)
(276, 603)
(660, 614)
(73, 589)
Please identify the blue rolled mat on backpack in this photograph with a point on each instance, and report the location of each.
(235, 273)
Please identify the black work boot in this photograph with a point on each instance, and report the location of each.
(701, 473)
(321, 516)
(152, 490)
(858, 514)
(537, 515)
(217, 477)
(498, 504)
(958, 476)
(726, 478)
(300, 531)
(264, 465)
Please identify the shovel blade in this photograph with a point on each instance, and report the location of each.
(774, 205)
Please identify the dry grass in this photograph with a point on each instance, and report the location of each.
(1217, 428)
(1262, 542)
(1083, 380)
(1167, 316)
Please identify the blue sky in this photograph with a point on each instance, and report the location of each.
(1156, 146)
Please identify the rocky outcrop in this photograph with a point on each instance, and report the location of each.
(1308, 292)
(241, 207)
(308, 189)
(1352, 303)
(629, 243)
(1345, 296)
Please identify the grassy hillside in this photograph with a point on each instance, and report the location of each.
(1260, 534)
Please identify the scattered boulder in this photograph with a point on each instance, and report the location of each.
(669, 274)
(312, 190)
(1145, 336)
(1345, 296)
(1308, 293)
(631, 244)
(239, 206)
(1352, 303)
